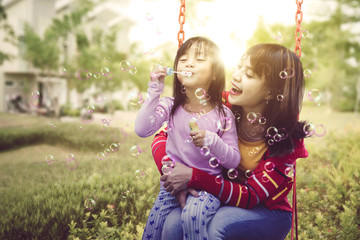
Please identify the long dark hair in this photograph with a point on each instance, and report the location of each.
(270, 61)
(209, 48)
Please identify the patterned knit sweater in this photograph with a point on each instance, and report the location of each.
(269, 184)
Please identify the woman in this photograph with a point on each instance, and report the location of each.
(266, 96)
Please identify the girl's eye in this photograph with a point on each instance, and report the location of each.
(200, 59)
(182, 59)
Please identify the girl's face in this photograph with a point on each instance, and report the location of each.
(248, 90)
(200, 65)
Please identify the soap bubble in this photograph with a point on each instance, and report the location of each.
(307, 73)
(213, 162)
(166, 160)
(166, 169)
(251, 117)
(100, 156)
(139, 173)
(269, 166)
(249, 173)
(125, 65)
(314, 95)
(320, 130)
(49, 158)
(232, 173)
(135, 150)
(219, 179)
(309, 128)
(200, 93)
(114, 147)
(205, 151)
(89, 203)
(224, 124)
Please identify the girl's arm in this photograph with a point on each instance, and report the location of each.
(153, 112)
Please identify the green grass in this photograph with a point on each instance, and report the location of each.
(46, 201)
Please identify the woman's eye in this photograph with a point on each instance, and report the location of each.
(248, 75)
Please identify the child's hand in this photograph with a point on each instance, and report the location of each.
(198, 137)
(158, 74)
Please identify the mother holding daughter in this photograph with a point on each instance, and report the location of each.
(265, 98)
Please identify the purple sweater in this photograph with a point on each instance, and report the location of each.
(222, 144)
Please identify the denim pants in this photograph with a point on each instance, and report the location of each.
(234, 223)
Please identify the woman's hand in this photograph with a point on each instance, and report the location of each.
(182, 195)
(178, 179)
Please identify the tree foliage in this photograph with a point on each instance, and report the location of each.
(9, 34)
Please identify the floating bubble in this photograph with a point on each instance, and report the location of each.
(202, 111)
(35, 94)
(114, 147)
(307, 73)
(219, 179)
(280, 97)
(224, 124)
(166, 169)
(232, 173)
(188, 139)
(166, 160)
(244, 189)
(271, 142)
(251, 117)
(149, 16)
(107, 151)
(125, 65)
(135, 150)
(89, 75)
(305, 33)
(256, 150)
(135, 98)
(139, 173)
(125, 194)
(90, 108)
(200, 93)
(272, 131)
(96, 75)
(49, 158)
(277, 137)
(283, 133)
(133, 70)
(309, 128)
(283, 75)
(289, 171)
(249, 173)
(105, 71)
(264, 178)
(203, 102)
(35, 103)
(100, 156)
(237, 117)
(160, 111)
(183, 90)
(52, 125)
(320, 130)
(277, 35)
(80, 127)
(70, 157)
(205, 151)
(269, 166)
(62, 71)
(203, 195)
(314, 95)
(262, 120)
(213, 162)
(89, 203)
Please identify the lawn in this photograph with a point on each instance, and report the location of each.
(69, 182)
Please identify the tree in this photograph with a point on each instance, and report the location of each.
(9, 35)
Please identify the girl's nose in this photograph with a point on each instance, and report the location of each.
(236, 76)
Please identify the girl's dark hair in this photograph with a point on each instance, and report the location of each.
(283, 109)
(209, 49)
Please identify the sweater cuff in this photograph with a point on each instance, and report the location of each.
(201, 180)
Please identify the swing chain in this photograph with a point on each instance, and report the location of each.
(181, 33)
(298, 31)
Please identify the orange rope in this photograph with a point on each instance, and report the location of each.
(298, 32)
(181, 33)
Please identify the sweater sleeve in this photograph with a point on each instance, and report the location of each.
(153, 112)
(158, 148)
(225, 146)
(269, 183)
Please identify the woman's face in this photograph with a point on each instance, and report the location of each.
(248, 90)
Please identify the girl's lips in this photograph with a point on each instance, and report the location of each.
(234, 92)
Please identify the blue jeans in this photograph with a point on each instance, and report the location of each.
(234, 223)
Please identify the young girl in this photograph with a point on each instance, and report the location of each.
(266, 96)
(214, 135)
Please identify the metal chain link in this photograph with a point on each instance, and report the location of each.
(181, 33)
(298, 31)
